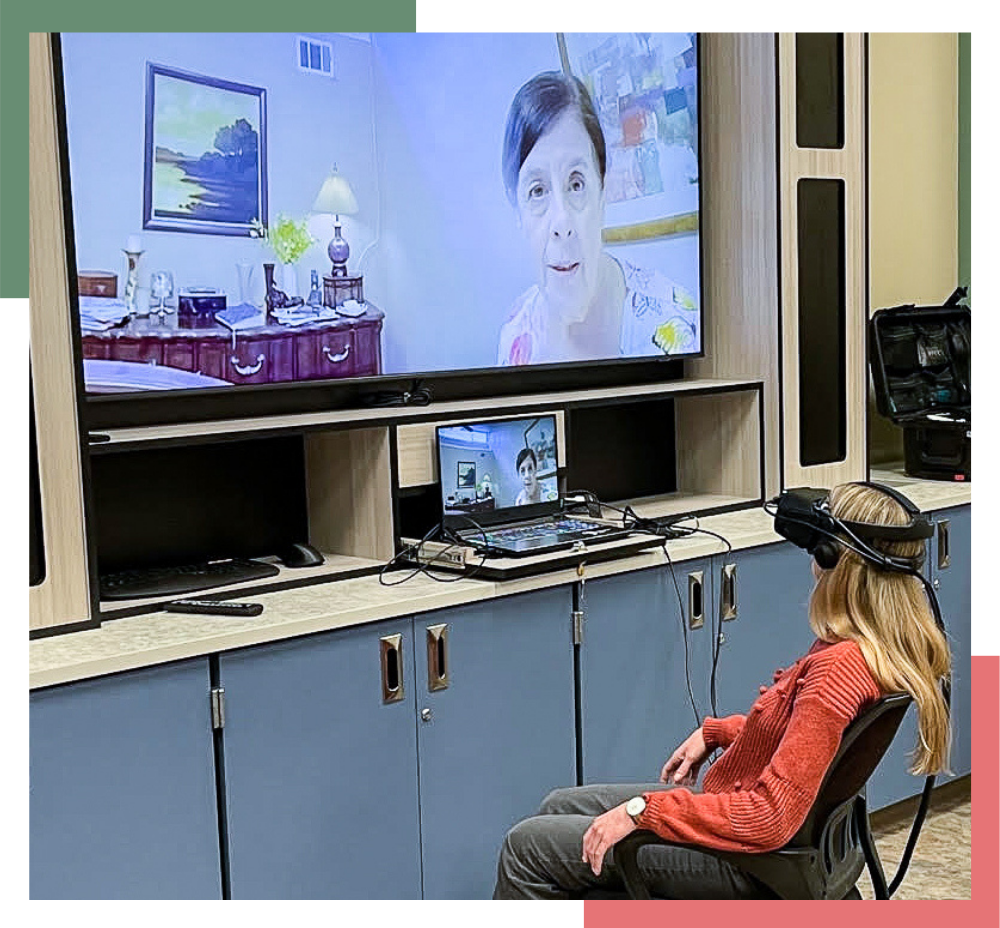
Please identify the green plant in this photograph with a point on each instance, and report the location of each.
(289, 239)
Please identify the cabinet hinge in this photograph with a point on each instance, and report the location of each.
(218, 707)
(577, 626)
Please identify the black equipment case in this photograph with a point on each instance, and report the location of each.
(921, 358)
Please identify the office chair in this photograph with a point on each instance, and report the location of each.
(829, 851)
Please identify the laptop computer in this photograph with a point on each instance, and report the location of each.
(500, 488)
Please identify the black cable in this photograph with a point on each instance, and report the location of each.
(684, 632)
(911, 843)
(925, 797)
(666, 531)
(417, 395)
(873, 556)
(425, 567)
(406, 552)
(671, 529)
(716, 631)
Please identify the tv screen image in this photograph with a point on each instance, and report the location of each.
(492, 201)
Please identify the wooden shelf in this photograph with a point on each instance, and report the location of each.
(224, 429)
(716, 445)
(335, 567)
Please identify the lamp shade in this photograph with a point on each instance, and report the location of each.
(336, 196)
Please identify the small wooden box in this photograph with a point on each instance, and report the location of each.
(338, 290)
(97, 283)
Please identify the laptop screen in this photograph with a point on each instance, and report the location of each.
(501, 470)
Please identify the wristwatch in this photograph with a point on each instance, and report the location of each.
(635, 807)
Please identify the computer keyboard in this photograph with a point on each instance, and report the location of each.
(188, 578)
(567, 529)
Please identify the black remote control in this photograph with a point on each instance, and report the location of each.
(214, 607)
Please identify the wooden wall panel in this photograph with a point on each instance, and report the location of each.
(740, 221)
(63, 597)
(849, 165)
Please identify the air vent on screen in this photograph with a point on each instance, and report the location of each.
(315, 56)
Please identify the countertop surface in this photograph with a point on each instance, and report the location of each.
(158, 637)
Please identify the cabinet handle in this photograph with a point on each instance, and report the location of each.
(337, 358)
(728, 600)
(250, 369)
(391, 652)
(437, 657)
(696, 599)
(944, 544)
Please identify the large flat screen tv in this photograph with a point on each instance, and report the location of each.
(256, 218)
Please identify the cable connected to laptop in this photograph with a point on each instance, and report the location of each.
(424, 566)
(666, 528)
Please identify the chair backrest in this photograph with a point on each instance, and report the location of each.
(829, 851)
(864, 742)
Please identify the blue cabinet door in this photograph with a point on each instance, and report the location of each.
(122, 790)
(637, 660)
(498, 737)
(771, 629)
(320, 773)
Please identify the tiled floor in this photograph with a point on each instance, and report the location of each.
(941, 866)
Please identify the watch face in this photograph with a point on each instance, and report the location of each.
(635, 806)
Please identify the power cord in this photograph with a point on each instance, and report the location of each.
(417, 395)
(412, 552)
(665, 529)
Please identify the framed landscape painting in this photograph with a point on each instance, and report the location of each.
(466, 477)
(206, 154)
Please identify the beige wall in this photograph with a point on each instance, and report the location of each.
(913, 181)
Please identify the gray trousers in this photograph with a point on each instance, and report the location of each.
(542, 856)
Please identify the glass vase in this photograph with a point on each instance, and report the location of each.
(289, 280)
(244, 276)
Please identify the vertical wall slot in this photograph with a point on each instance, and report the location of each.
(822, 322)
(819, 89)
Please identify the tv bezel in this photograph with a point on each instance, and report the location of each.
(137, 409)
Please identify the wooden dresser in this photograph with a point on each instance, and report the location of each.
(272, 353)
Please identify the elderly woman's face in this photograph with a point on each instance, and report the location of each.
(527, 472)
(560, 207)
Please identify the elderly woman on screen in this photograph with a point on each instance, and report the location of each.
(586, 304)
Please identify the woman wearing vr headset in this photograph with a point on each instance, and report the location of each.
(876, 634)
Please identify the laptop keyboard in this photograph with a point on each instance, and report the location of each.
(566, 529)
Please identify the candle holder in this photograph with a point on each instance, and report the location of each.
(161, 289)
(132, 282)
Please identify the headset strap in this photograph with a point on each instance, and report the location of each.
(919, 527)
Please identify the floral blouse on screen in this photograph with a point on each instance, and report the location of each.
(658, 317)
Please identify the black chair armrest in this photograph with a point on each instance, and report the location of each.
(627, 860)
(626, 857)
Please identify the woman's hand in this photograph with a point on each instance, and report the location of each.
(604, 832)
(685, 762)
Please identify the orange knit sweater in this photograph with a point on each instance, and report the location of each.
(758, 793)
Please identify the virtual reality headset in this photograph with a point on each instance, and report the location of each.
(803, 516)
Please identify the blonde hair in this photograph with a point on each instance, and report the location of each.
(888, 615)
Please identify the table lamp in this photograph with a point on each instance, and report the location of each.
(336, 197)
